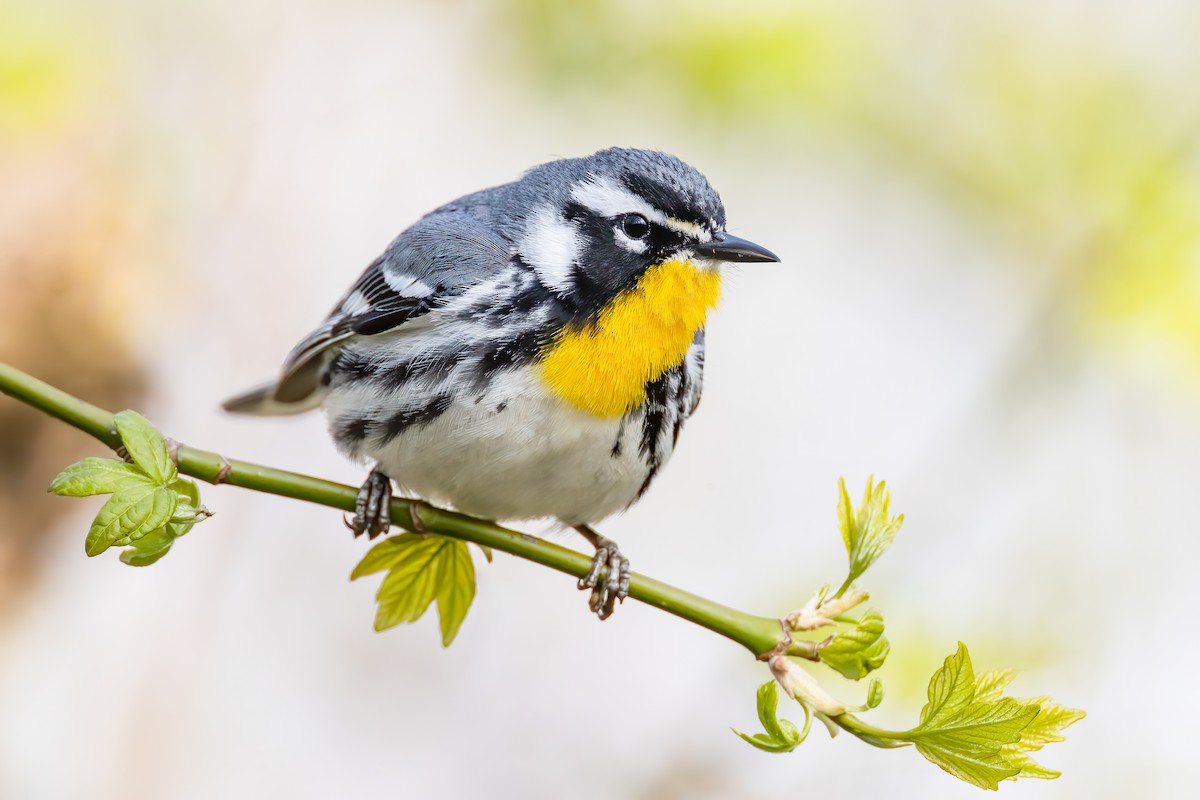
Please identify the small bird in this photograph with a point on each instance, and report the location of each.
(527, 351)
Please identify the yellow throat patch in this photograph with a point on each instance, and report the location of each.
(603, 368)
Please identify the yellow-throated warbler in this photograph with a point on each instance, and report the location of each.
(526, 351)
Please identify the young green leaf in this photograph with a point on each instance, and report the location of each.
(874, 693)
(146, 446)
(858, 652)
(456, 589)
(421, 569)
(183, 512)
(177, 528)
(765, 743)
(136, 558)
(991, 685)
(128, 515)
(781, 735)
(92, 475)
(149, 548)
(868, 531)
(384, 555)
(1045, 728)
(187, 490)
(411, 584)
(973, 732)
(767, 705)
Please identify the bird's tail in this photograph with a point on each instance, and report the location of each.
(263, 401)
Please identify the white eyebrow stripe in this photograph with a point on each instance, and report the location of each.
(689, 228)
(607, 199)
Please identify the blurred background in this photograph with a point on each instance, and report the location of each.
(989, 216)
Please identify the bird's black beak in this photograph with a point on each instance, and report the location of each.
(727, 247)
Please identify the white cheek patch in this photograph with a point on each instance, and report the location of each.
(551, 246)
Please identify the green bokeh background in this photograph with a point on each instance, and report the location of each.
(989, 215)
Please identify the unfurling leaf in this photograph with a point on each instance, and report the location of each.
(973, 732)
(421, 569)
(874, 693)
(781, 735)
(146, 446)
(92, 475)
(149, 549)
(129, 515)
(187, 490)
(868, 531)
(858, 652)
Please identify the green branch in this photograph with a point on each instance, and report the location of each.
(757, 634)
(969, 727)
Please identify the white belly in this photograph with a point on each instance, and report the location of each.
(516, 452)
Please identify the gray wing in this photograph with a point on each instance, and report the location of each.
(440, 256)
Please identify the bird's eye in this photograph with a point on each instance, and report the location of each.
(635, 226)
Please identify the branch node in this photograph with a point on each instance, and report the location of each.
(414, 513)
(780, 648)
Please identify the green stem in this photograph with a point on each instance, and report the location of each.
(869, 733)
(756, 634)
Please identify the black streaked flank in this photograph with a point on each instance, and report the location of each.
(662, 408)
(349, 366)
(351, 429)
(682, 390)
(656, 409)
(517, 351)
(401, 421)
(394, 376)
(440, 366)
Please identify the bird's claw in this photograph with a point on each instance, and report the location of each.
(608, 578)
(373, 508)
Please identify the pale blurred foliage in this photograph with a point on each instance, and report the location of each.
(70, 259)
(1047, 136)
(988, 214)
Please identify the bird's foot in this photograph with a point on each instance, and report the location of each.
(609, 576)
(373, 509)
